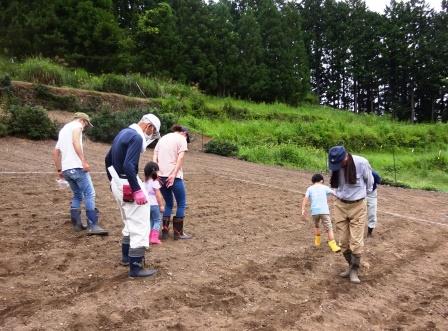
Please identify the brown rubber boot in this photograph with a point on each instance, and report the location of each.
(178, 227)
(356, 260)
(348, 257)
(165, 227)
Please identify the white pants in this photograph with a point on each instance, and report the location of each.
(371, 209)
(135, 217)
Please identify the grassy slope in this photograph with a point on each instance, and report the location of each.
(421, 154)
(277, 133)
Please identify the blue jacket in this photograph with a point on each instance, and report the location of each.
(376, 179)
(124, 155)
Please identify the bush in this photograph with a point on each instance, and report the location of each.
(150, 87)
(5, 81)
(115, 83)
(236, 113)
(391, 182)
(177, 90)
(54, 101)
(6, 66)
(30, 122)
(3, 129)
(221, 147)
(5, 85)
(41, 71)
(311, 99)
(129, 85)
(174, 106)
(107, 124)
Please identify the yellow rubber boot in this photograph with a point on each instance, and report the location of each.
(317, 240)
(333, 246)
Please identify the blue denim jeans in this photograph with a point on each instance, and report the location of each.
(82, 188)
(178, 191)
(155, 218)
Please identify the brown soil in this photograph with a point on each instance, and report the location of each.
(250, 266)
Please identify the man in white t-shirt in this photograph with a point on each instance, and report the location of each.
(72, 165)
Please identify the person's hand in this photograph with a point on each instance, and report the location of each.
(60, 174)
(170, 180)
(85, 166)
(304, 212)
(162, 209)
(139, 197)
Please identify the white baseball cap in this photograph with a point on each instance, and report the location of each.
(153, 119)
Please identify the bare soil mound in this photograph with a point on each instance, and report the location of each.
(84, 98)
(250, 266)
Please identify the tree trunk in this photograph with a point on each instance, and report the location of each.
(412, 105)
(432, 110)
(355, 96)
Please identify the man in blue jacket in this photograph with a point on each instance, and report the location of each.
(122, 170)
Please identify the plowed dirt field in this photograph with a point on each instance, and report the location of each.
(250, 266)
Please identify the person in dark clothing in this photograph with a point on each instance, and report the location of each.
(127, 188)
(372, 202)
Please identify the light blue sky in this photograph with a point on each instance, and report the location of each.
(380, 5)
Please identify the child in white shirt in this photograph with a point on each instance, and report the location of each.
(317, 194)
(155, 201)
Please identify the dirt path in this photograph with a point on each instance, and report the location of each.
(250, 266)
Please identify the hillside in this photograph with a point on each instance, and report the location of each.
(295, 137)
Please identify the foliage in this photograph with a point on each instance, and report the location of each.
(299, 137)
(78, 32)
(338, 53)
(30, 122)
(221, 147)
(41, 71)
(54, 101)
(107, 124)
(134, 85)
(234, 112)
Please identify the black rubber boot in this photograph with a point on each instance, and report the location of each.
(125, 251)
(137, 263)
(178, 228)
(369, 232)
(165, 227)
(356, 261)
(93, 227)
(348, 257)
(75, 215)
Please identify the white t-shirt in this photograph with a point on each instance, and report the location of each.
(69, 158)
(151, 186)
(168, 149)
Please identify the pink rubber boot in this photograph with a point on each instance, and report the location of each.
(154, 237)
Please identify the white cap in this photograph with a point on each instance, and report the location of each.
(153, 119)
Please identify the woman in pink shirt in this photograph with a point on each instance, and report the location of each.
(169, 155)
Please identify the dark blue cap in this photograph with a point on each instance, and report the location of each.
(335, 157)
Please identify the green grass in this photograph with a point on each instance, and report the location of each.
(421, 155)
(277, 134)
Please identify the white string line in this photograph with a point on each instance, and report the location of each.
(412, 218)
(40, 172)
(408, 218)
(55, 173)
